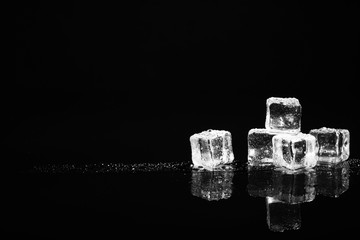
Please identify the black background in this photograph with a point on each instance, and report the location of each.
(99, 82)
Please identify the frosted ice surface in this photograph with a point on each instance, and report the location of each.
(332, 181)
(283, 115)
(334, 144)
(211, 148)
(260, 146)
(294, 151)
(282, 216)
(294, 187)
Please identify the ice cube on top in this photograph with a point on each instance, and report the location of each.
(260, 146)
(334, 144)
(283, 114)
(211, 148)
(294, 151)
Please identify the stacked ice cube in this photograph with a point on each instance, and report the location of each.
(281, 142)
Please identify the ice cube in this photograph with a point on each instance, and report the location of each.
(294, 151)
(282, 216)
(211, 148)
(334, 180)
(260, 181)
(294, 187)
(283, 115)
(260, 146)
(334, 144)
(212, 185)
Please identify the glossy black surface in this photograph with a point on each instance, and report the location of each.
(111, 199)
(127, 86)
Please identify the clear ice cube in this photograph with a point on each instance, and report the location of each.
(282, 216)
(212, 185)
(283, 115)
(334, 144)
(211, 148)
(334, 180)
(260, 149)
(294, 151)
(294, 187)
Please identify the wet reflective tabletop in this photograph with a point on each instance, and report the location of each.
(58, 200)
(97, 129)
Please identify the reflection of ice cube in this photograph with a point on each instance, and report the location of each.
(260, 149)
(283, 115)
(334, 144)
(282, 216)
(260, 181)
(332, 181)
(212, 185)
(211, 148)
(294, 151)
(294, 187)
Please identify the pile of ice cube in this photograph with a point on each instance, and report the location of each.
(282, 144)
